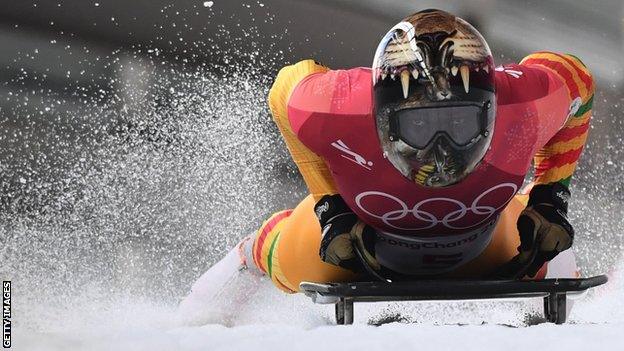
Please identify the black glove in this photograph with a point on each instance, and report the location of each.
(341, 230)
(544, 227)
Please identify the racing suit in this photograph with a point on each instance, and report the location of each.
(465, 230)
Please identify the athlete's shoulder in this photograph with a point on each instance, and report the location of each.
(336, 92)
(516, 83)
(288, 78)
(540, 74)
(568, 69)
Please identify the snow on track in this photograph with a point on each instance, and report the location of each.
(355, 337)
(287, 322)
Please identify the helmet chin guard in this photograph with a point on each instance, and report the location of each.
(433, 81)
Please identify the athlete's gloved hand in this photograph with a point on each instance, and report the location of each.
(544, 227)
(341, 232)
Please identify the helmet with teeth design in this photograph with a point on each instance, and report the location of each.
(433, 81)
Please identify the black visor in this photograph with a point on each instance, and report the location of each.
(462, 123)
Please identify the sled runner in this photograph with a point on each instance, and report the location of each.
(554, 292)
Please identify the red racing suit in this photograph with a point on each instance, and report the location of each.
(327, 119)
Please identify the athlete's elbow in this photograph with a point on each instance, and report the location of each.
(584, 75)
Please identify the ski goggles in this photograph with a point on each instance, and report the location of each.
(462, 123)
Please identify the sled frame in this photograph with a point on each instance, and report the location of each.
(554, 292)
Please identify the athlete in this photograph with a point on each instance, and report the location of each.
(416, 166)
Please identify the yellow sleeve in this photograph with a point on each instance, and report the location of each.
(557, 161)
(312, 167)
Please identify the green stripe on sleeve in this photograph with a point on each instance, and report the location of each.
(584, 108)
(566, 181)
(270, 258)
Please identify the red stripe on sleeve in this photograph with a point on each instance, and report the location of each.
(587, 80)
(565, 134)
(265, 231)
(558, 160)
(561, 70)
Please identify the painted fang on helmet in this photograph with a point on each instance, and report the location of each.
(435, 121)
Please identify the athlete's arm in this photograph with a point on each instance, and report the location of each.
(557, 159)
(543, 225)
(311, 166)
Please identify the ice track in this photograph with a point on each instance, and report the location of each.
(292, 323)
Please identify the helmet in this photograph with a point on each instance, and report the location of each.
(433, 81)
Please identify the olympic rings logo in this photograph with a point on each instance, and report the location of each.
(430, 219)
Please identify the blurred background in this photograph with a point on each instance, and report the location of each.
(136, 146)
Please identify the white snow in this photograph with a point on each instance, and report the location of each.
(276, 321)
(358, 337)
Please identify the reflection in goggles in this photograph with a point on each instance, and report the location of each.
(417, 127)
